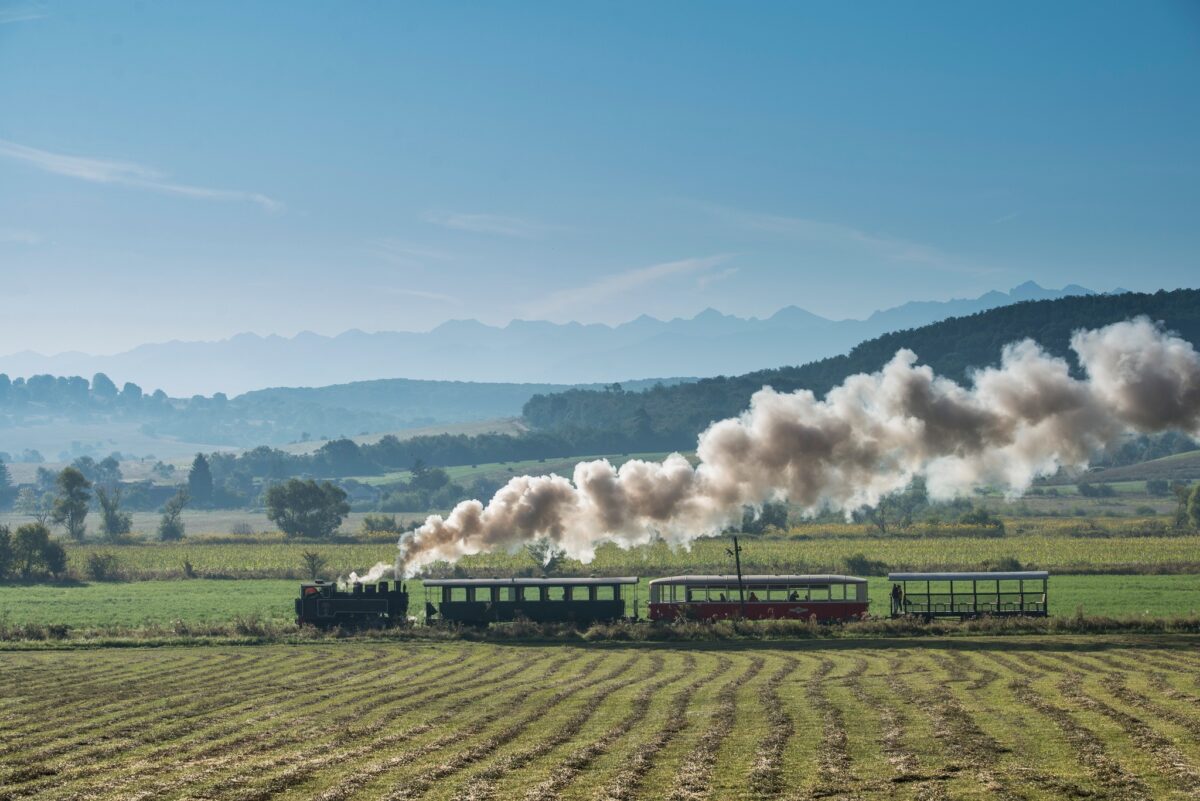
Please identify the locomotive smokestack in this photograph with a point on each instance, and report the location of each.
(868, 437)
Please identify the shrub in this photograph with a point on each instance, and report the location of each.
(380, 524)
(103, 567)
(1009, 564)
(861, 565)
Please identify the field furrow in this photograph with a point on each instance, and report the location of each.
(1038, 718)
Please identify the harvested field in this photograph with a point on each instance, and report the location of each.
(1028, 718)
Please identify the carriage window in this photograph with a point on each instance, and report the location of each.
(506, 594)
(556, 593)
(777, 593)
(837, 592)
(797, 592)
(531, 593)
(606, 592)
(819, 592)
(481, 594)
(456, 593)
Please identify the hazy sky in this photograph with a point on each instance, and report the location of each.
(174, 170)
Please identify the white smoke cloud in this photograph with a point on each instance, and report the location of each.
(868, 437)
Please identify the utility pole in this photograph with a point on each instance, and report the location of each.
(736, 553)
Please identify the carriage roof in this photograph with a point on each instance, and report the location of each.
(1011, 575)
(531, 582)
(758, 580)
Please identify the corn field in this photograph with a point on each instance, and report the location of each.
(1060, 554)
(1038, 718)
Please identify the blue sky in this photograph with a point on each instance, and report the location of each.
(191, 170)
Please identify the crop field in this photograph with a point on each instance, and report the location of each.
(1037, 718)
(1075, 548)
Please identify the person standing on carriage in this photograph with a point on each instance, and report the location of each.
(897, 600)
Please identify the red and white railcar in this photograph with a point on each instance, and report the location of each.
(827, 598)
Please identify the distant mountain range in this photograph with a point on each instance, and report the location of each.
(711, 343)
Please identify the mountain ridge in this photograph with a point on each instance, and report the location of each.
(709, 343)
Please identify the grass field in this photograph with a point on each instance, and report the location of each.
(1038, 718)
(133, 604)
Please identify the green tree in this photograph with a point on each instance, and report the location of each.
(103, 387)
(200, 481)
(71, 505)
(113, 522)
(306, 508)
(7, 492)
(6, 553)
(1193, 506)
(32, 549)
(171, 525)
(1158, 487)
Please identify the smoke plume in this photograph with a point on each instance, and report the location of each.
(867, 438)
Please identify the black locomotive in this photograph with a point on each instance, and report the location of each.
(322, 604)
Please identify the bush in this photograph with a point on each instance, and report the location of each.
(861, 565)
(983, 518)
(103, 567)
(1007, 564)
(380, 524)
(1158, 487)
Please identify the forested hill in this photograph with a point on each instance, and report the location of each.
(671, 417)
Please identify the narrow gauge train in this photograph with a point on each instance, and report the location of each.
(323, 604)
(480, 601)
(827, 598)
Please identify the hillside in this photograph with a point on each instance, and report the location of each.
(667, 417)
(61, 418)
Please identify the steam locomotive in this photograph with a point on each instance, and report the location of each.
(324, 605)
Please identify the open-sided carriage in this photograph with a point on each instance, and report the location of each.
(827, 598)
(970, 595)
(479, 601)
(323, 604)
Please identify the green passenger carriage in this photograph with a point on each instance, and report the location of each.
(479, 601)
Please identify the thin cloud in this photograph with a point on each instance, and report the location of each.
(704, 281)
(1010, 216)
(620, 283)
(424, 295)
(21, 13)
(495, 224)
(401, 253)
(123, 173)
(18, 236)
(840, 235)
